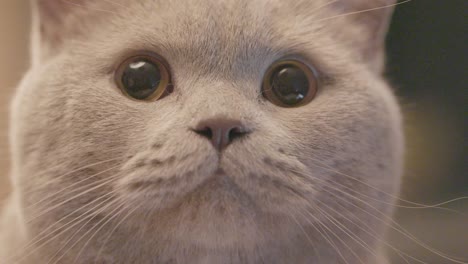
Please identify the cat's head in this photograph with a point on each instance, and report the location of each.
(226, 140)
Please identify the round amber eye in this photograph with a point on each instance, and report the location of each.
(143, 78)
(290, 83)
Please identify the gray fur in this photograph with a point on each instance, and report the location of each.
(256, 203)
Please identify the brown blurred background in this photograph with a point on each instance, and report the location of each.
(427, 64)
(14, 49)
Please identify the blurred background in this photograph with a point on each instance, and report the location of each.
(427, 58)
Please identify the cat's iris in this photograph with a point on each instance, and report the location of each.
(143, 78)
(290, 83)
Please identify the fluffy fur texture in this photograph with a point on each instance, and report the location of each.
(100, 178)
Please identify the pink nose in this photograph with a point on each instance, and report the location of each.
(220, 131)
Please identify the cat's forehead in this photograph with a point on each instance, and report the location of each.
(229, 30)
(212, 35)
(229, 23)
(224, 18)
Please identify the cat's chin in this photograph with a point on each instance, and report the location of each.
(217, 213)
(221, 199)
(218, 196)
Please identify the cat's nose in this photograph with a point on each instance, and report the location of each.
(221, 131)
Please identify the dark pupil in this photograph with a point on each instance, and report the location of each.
(141, 79)
(290, 84)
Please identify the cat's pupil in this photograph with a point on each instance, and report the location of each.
(141, 79)
(290, 84)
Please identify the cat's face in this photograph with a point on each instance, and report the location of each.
(144, 167)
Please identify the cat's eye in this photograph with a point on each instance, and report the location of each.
(144, 78)
(290, 83)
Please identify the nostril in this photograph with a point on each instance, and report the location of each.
(236, 133)
(220, 131)
(206, 132)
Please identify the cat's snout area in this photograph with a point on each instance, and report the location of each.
(221, 131)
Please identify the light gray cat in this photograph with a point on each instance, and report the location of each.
(211, 131)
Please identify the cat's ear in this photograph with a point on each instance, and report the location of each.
(373, 18)
(55, 21)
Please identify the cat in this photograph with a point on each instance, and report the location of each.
(232, 131)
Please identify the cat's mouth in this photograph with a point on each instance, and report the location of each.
(237, 179)
(217, 179)
(225, 200)
(220, 192)
(159, 185)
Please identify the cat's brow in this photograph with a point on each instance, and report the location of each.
(323, 6)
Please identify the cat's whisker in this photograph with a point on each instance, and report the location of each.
(51, 199)
(56, 180)
(118, 205)
(418, 205)
(312, 245)
(70, 239)
(372, 234)
(48, 197)
(58, 166)
(401, 256)
(41, 236)
(345, 230)
(435, 206)
(84, 206)
(51, 169)
(322, 6)
(39, 242)
(321, 231)
(363, 11)
(102, 183)
(112, 215)
(324, 234)
(299, 20)
(369, 232)
(399, 252)
(76, 211)
(135, 207)
(438, 206)
(260, 254)
(332, 220)
(390, 222)
(353, 236)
